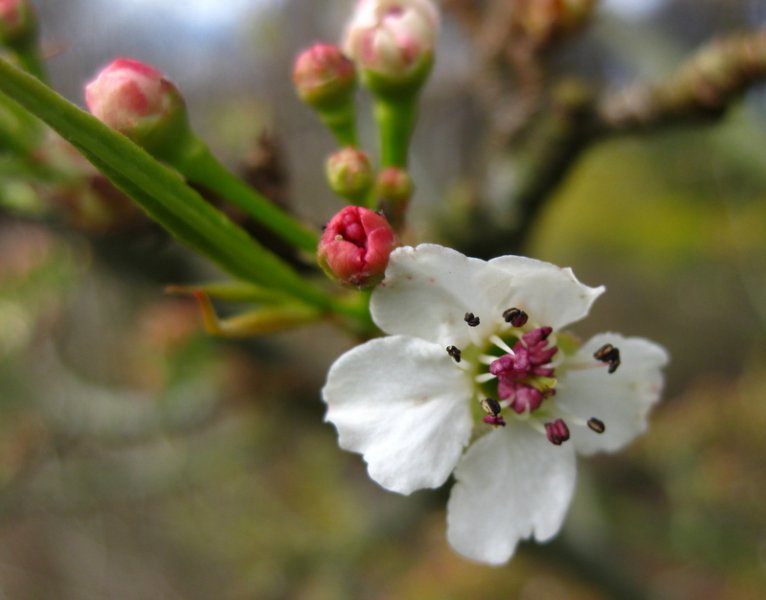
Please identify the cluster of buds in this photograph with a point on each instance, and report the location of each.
(390, 44)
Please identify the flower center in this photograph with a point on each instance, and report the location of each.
(521, 374)
(525, 376)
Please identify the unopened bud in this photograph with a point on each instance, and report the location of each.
(393, 40)
(393, 190)
(323, 76)
(349, 173)
(18, 23)
(355, 247)
(136, 100)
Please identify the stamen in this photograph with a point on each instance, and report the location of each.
(557, 432)
(471, 319)
(501, 344)
(596, 425)
(491, 406)
(487, 359)
(494, 420)
(515, 316)
(610, 355)
(454, 352)
(484, 378)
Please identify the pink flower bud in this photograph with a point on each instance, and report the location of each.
(394, 184)
(136, 100)
(355, 247)
(392, 38)
(18, 22)
(349, 173)
(323, 76)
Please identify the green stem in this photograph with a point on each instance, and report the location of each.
(341, 121)
(395, 119)
(31, 61)
(159, 191)
(199, 165)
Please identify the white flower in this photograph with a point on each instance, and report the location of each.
(467, 334)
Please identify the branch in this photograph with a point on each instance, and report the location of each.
(703, 88)
(700, 90)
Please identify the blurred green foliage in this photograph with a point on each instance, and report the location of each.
(141, 459)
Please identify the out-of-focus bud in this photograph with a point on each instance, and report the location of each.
(323, 76)
(349, 173)
(392, 42)
(18, 23)
(81, 195)
(393, 190)
(136, 100)
(355, 247)
(325, 80)
(544, 20)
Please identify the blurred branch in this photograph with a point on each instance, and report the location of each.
(701, 90)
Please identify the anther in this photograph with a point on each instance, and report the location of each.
(557, 432)
(515, 316)
(495, 420)
(596, 425)
(454, 352)
(610, 355)
(471, 319)
(491, 406)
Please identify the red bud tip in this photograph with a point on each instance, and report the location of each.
(355, 247)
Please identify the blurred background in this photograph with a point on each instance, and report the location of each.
(142, 459)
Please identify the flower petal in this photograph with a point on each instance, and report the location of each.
(429, 288)
(402, 403)
(621, 400)
(550, 295)
(511, 484)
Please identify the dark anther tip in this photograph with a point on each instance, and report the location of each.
(471, 319)
(454, 352)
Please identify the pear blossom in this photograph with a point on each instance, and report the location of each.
(475, 351)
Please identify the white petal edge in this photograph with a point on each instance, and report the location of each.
(511, 484)
(550, 295)
(621, 400)
(429, 288)
(403, 404)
